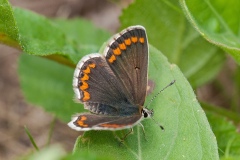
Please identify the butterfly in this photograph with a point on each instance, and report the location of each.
(113, 86)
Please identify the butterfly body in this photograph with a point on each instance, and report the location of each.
(113, 109)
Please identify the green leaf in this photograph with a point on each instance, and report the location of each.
(38, 35)
(187, 133)
(49, 85)
(86, 156)
(82, 36)
(169, 31)
(41, 36)
(216, 21)
(8, 29)
(231, 158)
(226, 133)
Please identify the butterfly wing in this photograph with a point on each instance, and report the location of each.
(87, 121)
(98, 88)
(127, 56)
(95, 82)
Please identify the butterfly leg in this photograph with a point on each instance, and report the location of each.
(127, 134)
(144, 133)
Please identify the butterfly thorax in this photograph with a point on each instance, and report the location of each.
(119, 109)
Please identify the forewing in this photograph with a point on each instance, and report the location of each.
(94, 82)
(127, 56)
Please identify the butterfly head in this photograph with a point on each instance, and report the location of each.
(147, 113)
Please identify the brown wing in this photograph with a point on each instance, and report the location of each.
(127, 56)
(87, 121)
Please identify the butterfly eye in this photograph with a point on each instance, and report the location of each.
(145, 114)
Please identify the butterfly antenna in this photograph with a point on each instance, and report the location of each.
(159, 93)
(158, 123)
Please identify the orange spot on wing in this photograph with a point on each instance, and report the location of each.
(93, 65)
(84, 86)
(112, 125)
(117, 51)
(112, 59)
(87, 70)
(83, 118)
(85, 77)
(86, 96)
(122, 46)
(141, 40)
(81, 122)
(127, 42)
(134, 39)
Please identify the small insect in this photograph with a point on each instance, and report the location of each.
(113, 87)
